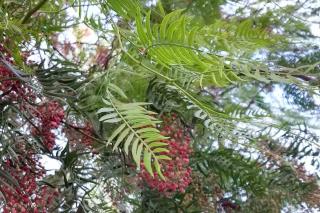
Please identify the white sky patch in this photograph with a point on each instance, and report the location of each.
(315, 29)
(50, 164)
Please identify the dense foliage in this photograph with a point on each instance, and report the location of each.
(159, 106)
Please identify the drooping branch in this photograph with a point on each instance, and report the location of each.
(20, 75)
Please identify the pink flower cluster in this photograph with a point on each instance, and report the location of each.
(176, 171)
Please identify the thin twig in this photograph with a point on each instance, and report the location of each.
(78, 129)
(32, 11)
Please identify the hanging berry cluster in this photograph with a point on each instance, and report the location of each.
(177, 172)
(26, 196)
(50, 115)
(11, 88)
(20, 192)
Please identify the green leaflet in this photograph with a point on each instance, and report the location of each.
(140, 30)
(147, 130)
(136, 156)
(158, 169)
(148, 26)
(128, 142)
(163, 157)
(161, 150)
(126, 8)
(116, 132)
(102, 110)
(147, 161)
(156, 144)
(113, 120)
(108, 116)
(120, 138)
(165, 21)
(136, 130)
(175, 43)
(134, 151)
(117, 90)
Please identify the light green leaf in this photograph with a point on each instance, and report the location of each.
(165, 21)
(148, 26)
(147, 161)
(136, 105)
(163, 157)
(117, 90)
(114, 120)
(108, 116)
(138, 155)
(158, 169)
(104, 110)
(138, 129)
(128, 142)
(157, 144)
(160, 150)
(141, 33)
(120, 138)
(106, 102)
(148, 129)
(116, 132)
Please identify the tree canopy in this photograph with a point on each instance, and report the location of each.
(159, 106)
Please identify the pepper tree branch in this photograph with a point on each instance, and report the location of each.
(32, 11)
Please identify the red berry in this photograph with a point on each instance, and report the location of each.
(178, 168)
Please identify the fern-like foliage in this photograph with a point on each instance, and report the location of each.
(217, 54)
(172, 44)
(239, 39)
(167, 98)
(125, 8)
(302, 98)
(227, 164)
(136, 128)
(59, 82)
(178, 48)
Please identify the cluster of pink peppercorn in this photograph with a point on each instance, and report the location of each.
(176, 171)
(26, 196)
(22, 193)
(50, 115)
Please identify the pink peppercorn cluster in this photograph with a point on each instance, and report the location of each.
(22, 194)
(11, 88)
(50, 115)
(176, 171)
(26, 196)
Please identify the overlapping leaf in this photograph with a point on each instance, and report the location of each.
(136, 132)
(173, 44)
(125, 8)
